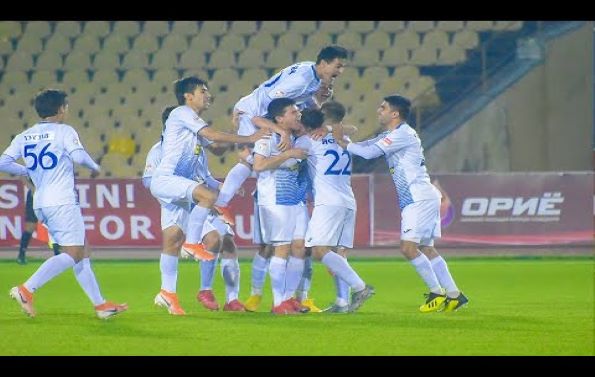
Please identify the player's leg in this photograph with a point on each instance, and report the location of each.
(204, 198)
(260, 263)
(324, 232)
(67, 227)
(413, 230)
(212, 242)
(230, 271)
(86, 278)
(174, 218)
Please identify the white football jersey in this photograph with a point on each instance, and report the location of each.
(404, 155)
(46, 149)
(181, 148)
(298, 82)
(330, 169)
(154, 158)
(279, 186)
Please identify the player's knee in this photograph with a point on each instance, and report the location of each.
(205, 197)
(228, 246)
(318, 253)
(212, 242)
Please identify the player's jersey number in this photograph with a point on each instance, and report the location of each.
(331, 169)
(45, 159)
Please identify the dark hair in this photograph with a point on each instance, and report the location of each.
(333, 111)
(399, 103)
(330, 53)
(49, 101)
(165, 114)
(277, 107)
(312, 118)
(186, 85)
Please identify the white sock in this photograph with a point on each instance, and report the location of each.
(424, 269)
(259, 273)
(235, 177)
(86, 278)
(304, 287)
(277, 270)
(444, 277)
(51, 268)
(197, 218)
(295, 269)
(207, 273)
(230, 270)
(169, 272)
(341, 268)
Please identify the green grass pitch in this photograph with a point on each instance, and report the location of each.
(517, 307)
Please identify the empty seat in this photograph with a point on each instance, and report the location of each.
(174, 43)
(70, 29)
(77, 60)
(30, 44)
(436, 39)
(332, 27)
(126, 28)
(210, 28)
(319, 40)
(135, 59)
(224, 77)
(165, 76)
(116, 43)
(350, 40)
(391, 26)
(451, 54)
(44, 78)
(395, 56)
(479, 25)
(39, 29)
(273, 27)
(86, 43)
(106, 59)
(377, 40)
(196, 59)
(231, 42)
(303, 27)
(146, 43)
(361, 26)
(407, 39)
(420, 26)
(97, 28)
(508, 25)
(254, 76)
(164, 59)
(58, 43)
(156, 28)
(218, 59)
(19, 61)
(49, 60)
(279, 58)
(5, 48)
(262, 42)
(75, 76)
(449, 25)
(424, 55)
(10, 29)
(250, 58)
(375, 74)
(466, 39)
(243, 27)
(203, 43)
(365, 57)
(291, 41)
(185, 28)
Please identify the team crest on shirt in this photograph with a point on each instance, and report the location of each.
(197, 149)
(75, 141)
(386, 141)
(278, 94)
(392, 170)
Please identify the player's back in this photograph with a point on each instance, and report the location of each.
(153, 159)
(46, 149)
(330, 168)
(298, 82)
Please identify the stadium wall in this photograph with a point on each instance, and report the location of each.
(477, 209)
(541, 123)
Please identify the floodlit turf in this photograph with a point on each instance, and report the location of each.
(517, 307)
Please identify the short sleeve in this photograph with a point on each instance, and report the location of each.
(263, 147)
(71, 140)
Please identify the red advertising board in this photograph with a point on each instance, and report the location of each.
(500, 209)
(122, 213)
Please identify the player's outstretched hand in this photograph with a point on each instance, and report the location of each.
(95, 173)
(298, 153)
